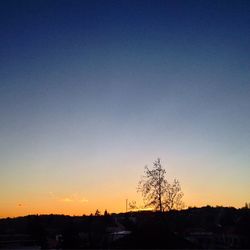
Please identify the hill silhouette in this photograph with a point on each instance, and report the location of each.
(206, 227)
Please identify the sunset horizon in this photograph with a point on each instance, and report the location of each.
(76, 204)
(93, 91)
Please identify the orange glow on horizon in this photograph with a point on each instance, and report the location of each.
(68, 206)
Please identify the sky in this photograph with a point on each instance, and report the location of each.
(92, 91)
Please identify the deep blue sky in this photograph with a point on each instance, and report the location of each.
(91, 91)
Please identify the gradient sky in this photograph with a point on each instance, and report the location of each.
(92, 91)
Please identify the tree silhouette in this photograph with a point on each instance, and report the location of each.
(157, 192)
(97, 212)
(106, 213)
(173, 196)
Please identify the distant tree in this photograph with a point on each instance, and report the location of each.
(97, 212)
(247, 205)
(157, 192)
(106, 212)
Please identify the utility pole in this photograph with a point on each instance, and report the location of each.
(126, 205)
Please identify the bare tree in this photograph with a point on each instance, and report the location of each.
(173, 196)
(156, 190)
(153, 186)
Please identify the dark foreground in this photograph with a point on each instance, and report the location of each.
(194, 228)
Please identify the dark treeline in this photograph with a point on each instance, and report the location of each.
(206, 227)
